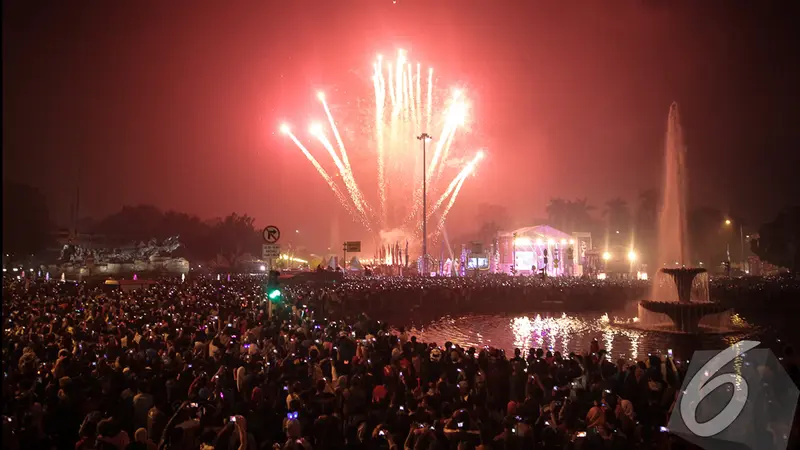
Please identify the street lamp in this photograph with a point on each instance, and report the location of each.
(741, 238)
(424, 137)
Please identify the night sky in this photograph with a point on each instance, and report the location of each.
(177, 103)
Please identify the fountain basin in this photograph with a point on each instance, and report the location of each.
(686, 317)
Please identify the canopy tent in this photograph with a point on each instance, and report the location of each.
(355, 265)
(543, 232)
(333, 262)
(529, 250)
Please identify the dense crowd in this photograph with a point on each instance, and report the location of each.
(204, 364)
(414, 298)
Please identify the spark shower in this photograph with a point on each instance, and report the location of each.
(406, 104)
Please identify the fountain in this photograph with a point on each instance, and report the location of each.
(681, 302)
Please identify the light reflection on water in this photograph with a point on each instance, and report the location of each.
(565, 333)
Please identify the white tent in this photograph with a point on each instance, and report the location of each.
(355, 265)
(332, 263)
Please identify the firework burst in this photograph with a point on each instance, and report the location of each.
(400, 114)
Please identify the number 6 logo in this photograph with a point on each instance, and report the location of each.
(703, 383)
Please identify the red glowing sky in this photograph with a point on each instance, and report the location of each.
(177, 103)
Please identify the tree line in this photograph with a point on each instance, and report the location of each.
(224, 241)
(227, 241)
(620, 223)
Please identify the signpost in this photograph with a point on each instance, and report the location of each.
(350, 247)
(271, 249)
(271, 234)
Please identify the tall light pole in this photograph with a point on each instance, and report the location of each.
(741, 240)
(424, 137)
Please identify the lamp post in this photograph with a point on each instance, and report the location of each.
(424, 137)
(741, 239)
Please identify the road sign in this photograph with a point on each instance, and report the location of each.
(352, 246)
(270, 251)
(271, 234)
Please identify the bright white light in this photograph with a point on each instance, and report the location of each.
(601, 276)
(296, 231)
(563, 242)
(321, 96)
(15, 269)
(481, 154)
(539, 242)
(617, 231)
(606, 256)
(284, 128)
(632, 256)
(262, 268)
(315, 128)
(571, 241)
(523, 241)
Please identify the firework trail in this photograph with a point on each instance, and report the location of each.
(344, 165)
(457, 181)
(409, 108)
(285, 130)
(465, 172)
(450, 204)
(417, 97)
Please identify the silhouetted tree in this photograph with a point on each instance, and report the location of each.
(26, 220)
(493, 218)
(236, 238)
(778, 241)
(707, 242)
(570, 215)
(617, 215)
(647, 211)
(133, 223)
(558, 212)
(580, 215)
(617, 218)
(228, 239)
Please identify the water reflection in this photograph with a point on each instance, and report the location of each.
(564, 333)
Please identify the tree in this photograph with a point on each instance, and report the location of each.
(706, 239)
(617, 217)
(235, 238)
(26, 220)
(492, 218)
(646, 229)
(579, 212)
(778, 241)
(558, 212)
(647, 211)
(133, 223)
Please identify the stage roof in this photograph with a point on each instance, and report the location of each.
(538, 231)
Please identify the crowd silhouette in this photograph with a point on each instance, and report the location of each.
(205, 364)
